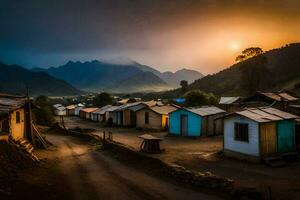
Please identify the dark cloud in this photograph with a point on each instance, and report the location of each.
(34, 28)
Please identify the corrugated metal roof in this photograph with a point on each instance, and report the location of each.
(271, 95)
(71, 107)
(282, 96)
(228, 100)
(128, 105)
(10, 103)
(102, 110)
(88, 110)
(164, 110)
(112, 108)
(287, 96)
(284, 115)
(265, 114)
(206, 110)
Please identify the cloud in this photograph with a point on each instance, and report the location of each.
(167, 34)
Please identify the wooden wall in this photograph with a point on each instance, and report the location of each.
(155, 120)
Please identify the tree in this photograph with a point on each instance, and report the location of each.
(184, 85)
(102, 99)
(199, 98)
(43, 113)
(249, 53)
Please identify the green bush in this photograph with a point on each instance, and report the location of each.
(199, 98)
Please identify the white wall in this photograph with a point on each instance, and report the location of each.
(77, 109)
(249, 148)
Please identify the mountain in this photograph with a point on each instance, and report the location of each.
(281, 71)
(173, 79)
(14, 79)
(96, 75)
(144, 81)
(115, 76)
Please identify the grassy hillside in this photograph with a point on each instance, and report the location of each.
(281, 71)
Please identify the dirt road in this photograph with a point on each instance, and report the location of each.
(94, 175)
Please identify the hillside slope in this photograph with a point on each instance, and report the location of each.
(14, 79)
(282, 72)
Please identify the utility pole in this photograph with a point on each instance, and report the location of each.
(29, 115)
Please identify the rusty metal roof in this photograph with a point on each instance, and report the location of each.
(265, 114)
(163, 110)
(88, 110)
(228, 100)
(282, 96)
(206, 110)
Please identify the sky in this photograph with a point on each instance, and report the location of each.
(205, 35)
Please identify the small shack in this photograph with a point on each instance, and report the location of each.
(85, 113)
(229, 104)
(59, 110)
(78, 108)
(196, 121)
(94, 115)
(256, 133)
(278, 100)
(111, 114)
(70, 110)
(154, 117)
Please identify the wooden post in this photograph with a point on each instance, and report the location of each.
(30, 135)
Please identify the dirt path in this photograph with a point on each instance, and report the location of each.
(93, 175)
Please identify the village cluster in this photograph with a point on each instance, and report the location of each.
(262, 126)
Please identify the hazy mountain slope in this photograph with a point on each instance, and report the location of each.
(283, 66)
(141, 82)
(14, 79)
(173, 79)
(96, 75)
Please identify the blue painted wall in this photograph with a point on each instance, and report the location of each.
(194, 123)
(286, 136)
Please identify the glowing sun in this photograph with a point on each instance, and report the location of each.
(234, 46)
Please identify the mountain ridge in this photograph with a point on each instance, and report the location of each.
(15, 79)
(97, 75)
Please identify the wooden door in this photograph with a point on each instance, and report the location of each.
(268, 139)
(184, 125)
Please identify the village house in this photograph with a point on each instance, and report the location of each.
(126, 114)
(85, 113)
(229, 104)
(111, 114)
(59, 110)
(197, 121)
(256, 133)
(99, 114)
(154, 117)
(14, 117)
(102, 113)
(279, 100)
(70, 110)
(78, 108)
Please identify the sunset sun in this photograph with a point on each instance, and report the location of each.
(234, 46)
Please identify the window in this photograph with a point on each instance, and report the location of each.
(17, 117)
(241, 132)
(146, 117)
